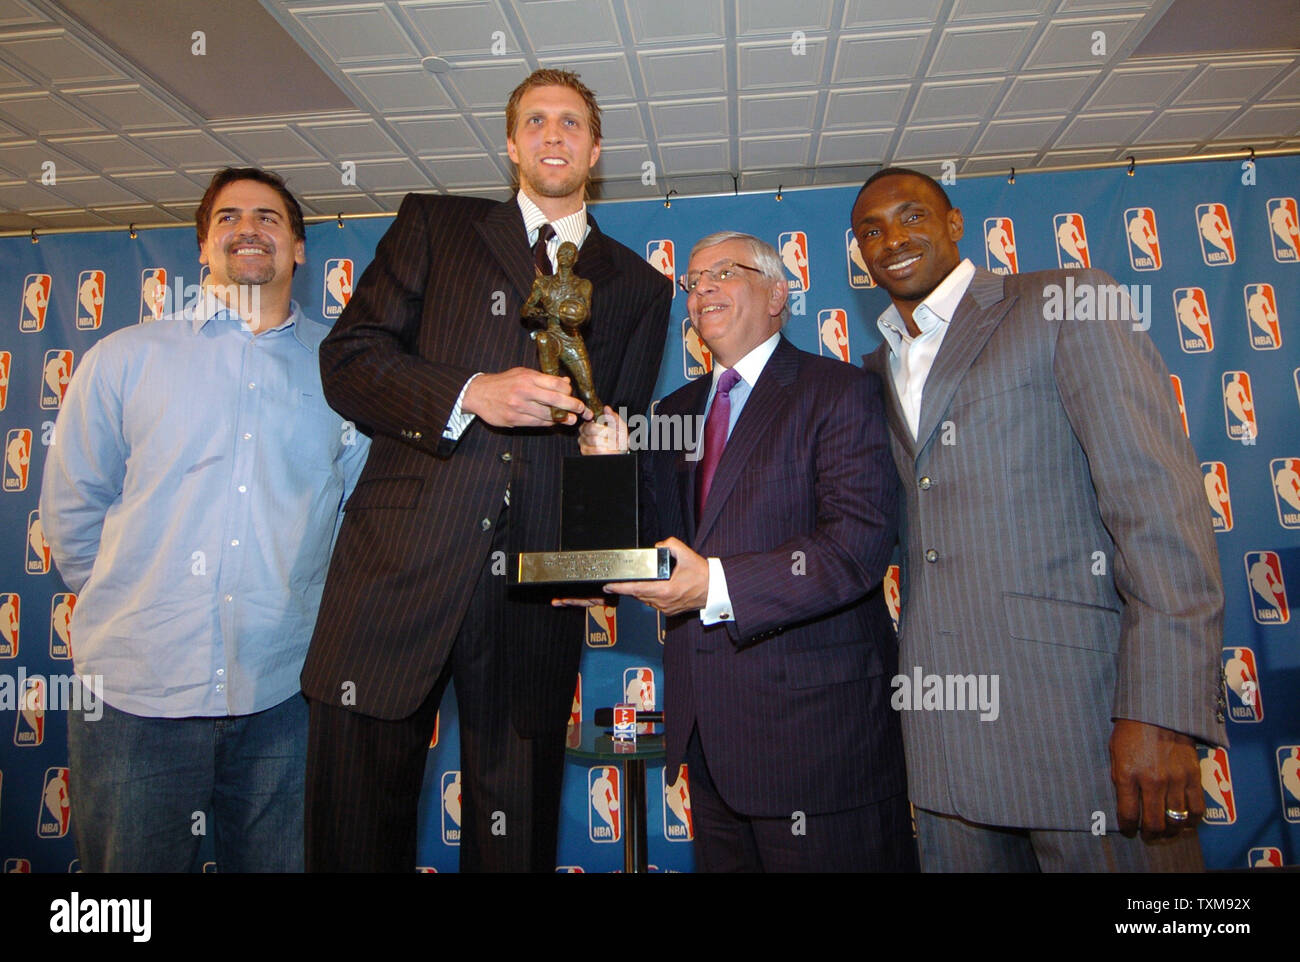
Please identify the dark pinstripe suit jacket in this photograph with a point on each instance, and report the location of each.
(792, 698)
(1074, 556)
(439, 302)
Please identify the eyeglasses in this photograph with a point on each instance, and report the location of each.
(688, 282)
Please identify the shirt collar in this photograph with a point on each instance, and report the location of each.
(571, 227)
(938, 308)
(210, 307)
(751, 365)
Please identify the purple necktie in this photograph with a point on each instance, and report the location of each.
(715, 438)
(540, 257)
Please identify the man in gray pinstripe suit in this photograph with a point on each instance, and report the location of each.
(1055, 539)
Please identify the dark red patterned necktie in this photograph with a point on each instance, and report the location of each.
(715, 438)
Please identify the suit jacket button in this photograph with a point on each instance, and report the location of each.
(416, 435)
(924, 484)
(505, 455)
(1218, 716)
(485, 524)
(931, 555)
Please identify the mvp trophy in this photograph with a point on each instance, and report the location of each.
(598, 513)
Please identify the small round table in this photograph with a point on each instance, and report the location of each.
(598, 745)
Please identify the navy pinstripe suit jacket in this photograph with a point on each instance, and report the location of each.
(792, 698)
(439, 302)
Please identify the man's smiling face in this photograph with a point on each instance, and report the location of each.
(250, 238)
(553, 143)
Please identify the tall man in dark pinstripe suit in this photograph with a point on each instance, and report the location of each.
(431, 358)
(1056, 537)
(778, 659)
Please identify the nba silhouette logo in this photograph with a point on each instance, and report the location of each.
(1180, 401)
(659, 255)
(678, 824)
(38, 549)
(833, 328)
(893, 599)
(18, 458)
(1216, 782)
(11, 609)
(337, 290)
(860, 278)
(1071, 242)
(604, 804)
(1288, 776)
(1215, 474)
(450, 808)
(6, 364)
(437, 724)
(1239, 407)
(602, 626)
(1266, 856)
(570, 870)
(62, 605)
(1267, 588)
(1241, 685)
(1143, 239)
(90, 300)
(639, 688)
(573, 730)
(1215, 230)
(18, 866)
(29, 727)
(1195, 333)
(55, 375)
(1261, 317)
(53, 814)
(35, 301)
(1284, 229)
(792, 245)
(153, 294)
(1286, 490)
(697, 359)
(1000, 245)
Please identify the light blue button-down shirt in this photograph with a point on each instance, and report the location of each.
(191, 499)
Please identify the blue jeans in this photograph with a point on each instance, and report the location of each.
(144, 791)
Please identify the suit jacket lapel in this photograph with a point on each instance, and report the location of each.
(762, 409)
(978, 314)
(594, 262)
(877, 362)
(694, 398)
(503, 232)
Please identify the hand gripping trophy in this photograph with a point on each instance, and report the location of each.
(564, 300)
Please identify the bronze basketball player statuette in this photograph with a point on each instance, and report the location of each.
(563, 299)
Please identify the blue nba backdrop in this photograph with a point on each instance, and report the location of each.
(1212, 248)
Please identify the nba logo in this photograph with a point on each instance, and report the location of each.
(1261, 315)
(1239, 407)
(153, 294)
(1241, 685)
(18, 457)
(52, 816)
(36, 299)
(573, 731)
(833, 326)
(1180, 401)
(1000, 245)
(1286, 490)
(570, 870)
(1284, 229)
(792, 245)
(602, 626)
(860, 278)
(18, 866)
(11, 607)
(639, 688)
(6, 363)
(659, 255)
(451, 808)
(62, 605)
(1215, 474)
(1216, 781)
(90, 300)
(1194, 330)
(604, 809)
(1071, 242)
(437, 724)
(56, 374)
(38, 549)
(1217, 247)
(893, 600)
(1143, 240)
(1266, 856)
(338, 287)
(1288, 774)
(697, 359)
(29, 727)
(678, 826)
(1267, 589)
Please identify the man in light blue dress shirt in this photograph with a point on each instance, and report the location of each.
(191, 500)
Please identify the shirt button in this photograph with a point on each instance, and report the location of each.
(243, 489)
(251, 385)
(924, 484)
(221, 688)
(505, 456)
(726, 615)
(220, 672)
(234, 542)
(931, 555)
(247, 436)
(485, 524)
(230, 597)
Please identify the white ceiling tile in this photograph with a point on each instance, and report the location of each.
(389, 200)
(108, 154)
(619, 162)
(921, 142)
(90, 191)
(700, 158)
(774, 151)
(344, 204)
(462, 29)
(165, 187)
(450, 134)
(678, 21)
(17, 221)
(59, 59)
(967, 50)
(781, 16)
(1288, 89)
(24, 159)
(568, 24)
(11, 81)
(126, 214)
(48, 116)
(69, 218)
(189, 149)
(955, 100)
(30, 197)
(1269, 121)
(699, 70)
(1103, 129)
(850, 148)
(996, 164)
(487, 84)
(690, 120)
(351, 140)
(1232, 83)
(131, 108)
(1002, 137)
(1000, 9)
(1108, 6)
(774, 64)
(862, 59)
(1037, 95)
(1138, 87)
(401, 174)
(357, 33)
(874, 14)
(621, 124)
(315, 179)
(608, 76)
(1069, 43)
(1063, 158)
(408, 88)
(15, 13)
(865, 107)
(772, 112)
(272, 145)
(1193, 124)
(462, 171)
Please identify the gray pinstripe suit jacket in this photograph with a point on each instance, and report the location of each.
(1044, 446)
